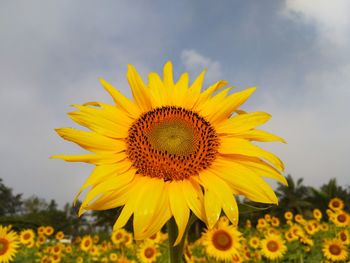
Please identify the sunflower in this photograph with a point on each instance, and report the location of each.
(275, 221)
(334, 250)
(26, 236)
(222, 242)
(288, 215)
(254, 242)
(317, 214)
(148, 252)
(8, 244)
(59, 235)
(273, 247)
(118, 236)
(191, 149)
(48, 230)
(344, 236)
(86, 243)
(336, 204)
(340, 218)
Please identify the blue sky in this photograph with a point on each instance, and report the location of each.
(296, 52)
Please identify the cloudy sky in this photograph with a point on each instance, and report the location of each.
(52, 53)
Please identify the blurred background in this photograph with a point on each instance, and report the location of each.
(52, 53)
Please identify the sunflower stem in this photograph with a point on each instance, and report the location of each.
(176, 252)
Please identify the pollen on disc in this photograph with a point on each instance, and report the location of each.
(171, 143)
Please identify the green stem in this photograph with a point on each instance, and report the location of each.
(176, 252)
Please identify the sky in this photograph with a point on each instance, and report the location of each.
(52, 53)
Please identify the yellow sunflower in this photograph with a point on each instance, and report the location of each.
(148, 252)
(344, 236)
(288, 215)
(8, 244)
(86, 243)
(254, 242)
(48, 230)
(273, 247)
(317, 214)
(340, 218)
(59, 235)
(118, 236)
(191, 149)
(222, 242)
(26, 236)
(336, 204)
(334, 250)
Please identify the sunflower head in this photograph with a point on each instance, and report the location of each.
(190, 148)
(334, 250)
(222, 242)
(273, 247)
(8, 244)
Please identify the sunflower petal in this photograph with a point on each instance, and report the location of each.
(229, 105)
(260, 136)
(139, 89)
(178, 208)
(91, 141)
(229, 145)
(194, 198)
(243, 122)
(124, 103)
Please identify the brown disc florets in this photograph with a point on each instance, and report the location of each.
(171, 143)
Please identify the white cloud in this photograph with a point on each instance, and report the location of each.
(196, 62)
(330, 17)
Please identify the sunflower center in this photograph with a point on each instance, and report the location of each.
(272, 246)
(341, 218)
(335, 250)
(171, 143)
(336, 204)
(4, 245)
(149, 252)
(343, 236)
(26, 236)
(222, 240)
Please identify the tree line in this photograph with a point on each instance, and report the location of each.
(34, 211)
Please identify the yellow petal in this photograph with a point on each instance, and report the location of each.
(194, 91)
(102, 172)
(260, 167)
(100, 125)
(129, 207)
(180, 90)
(139, 90)
(229, 105)
(147, 204)
(97, 159)
(212, 207)
(211, 105)
(92, 141)
(260, 136)
(224, 193)
(230, 145)
(243, 122)
(244, 181)
(110, 200)
(205, 95)
(109, 184)
(106, 111)
(159, 97)
(168, 74)
(178, 208)
(124, 103)
(194, 198)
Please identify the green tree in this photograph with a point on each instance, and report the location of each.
(10, 203)
(294, 197)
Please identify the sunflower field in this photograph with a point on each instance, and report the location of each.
(321, 237)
